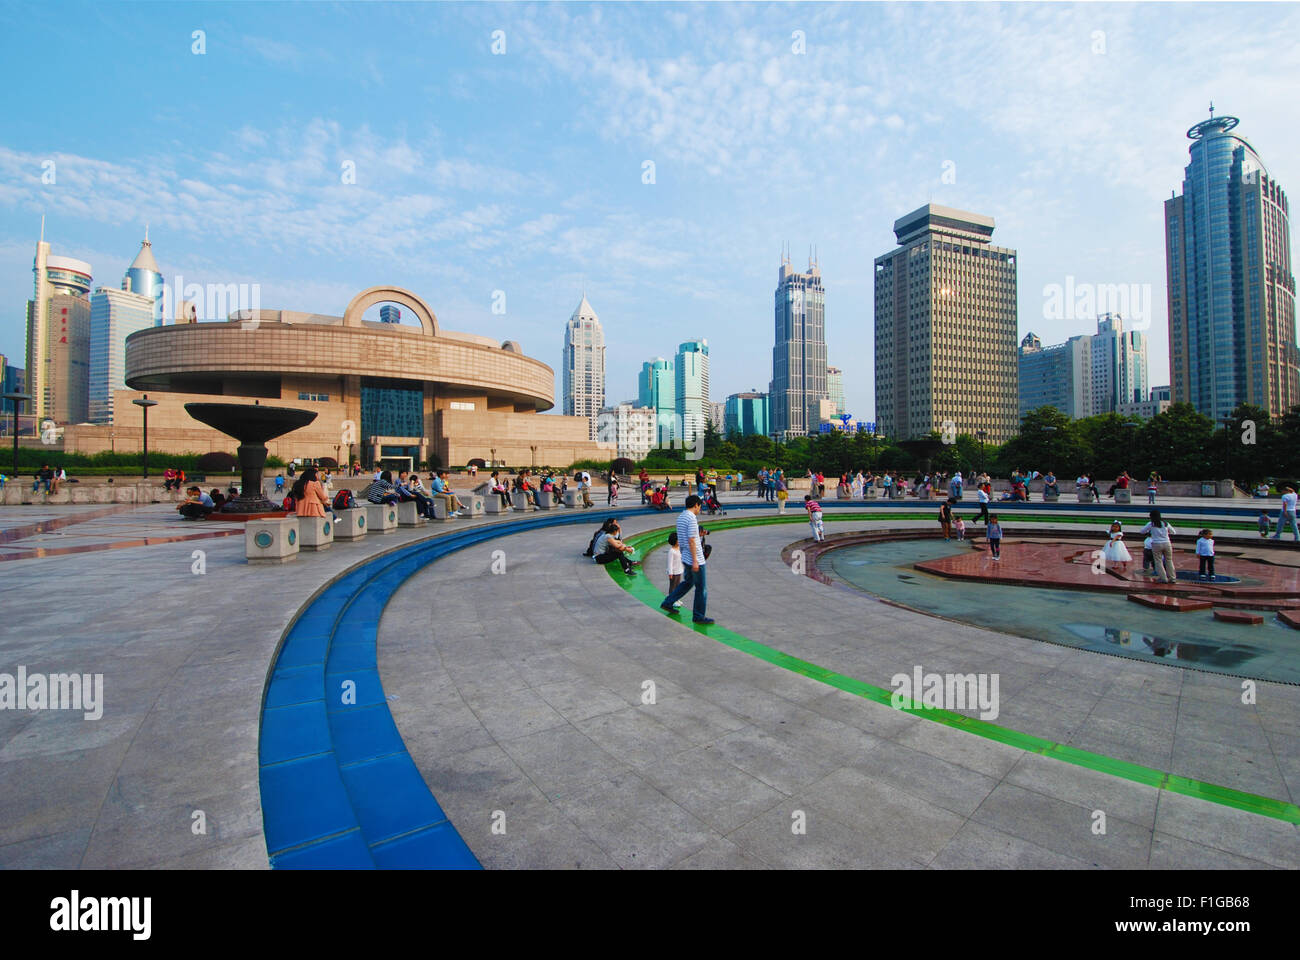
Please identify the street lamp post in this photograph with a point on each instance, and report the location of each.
(1228, 424)
(981, 435)
(18, 399)
(144, 404)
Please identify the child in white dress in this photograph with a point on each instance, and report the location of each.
(1115, 551)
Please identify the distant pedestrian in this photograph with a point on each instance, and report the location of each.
(960, 526)
(814, 517)
(982, 494)
(945, 519)
(1162, 547)
(1153, 485)
(1264, 523)
(1287, 518)
(1205, 554)
(994, 534)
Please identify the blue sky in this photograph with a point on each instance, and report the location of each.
(522, 172)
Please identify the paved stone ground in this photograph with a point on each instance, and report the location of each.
(532, 706)
(522, 693)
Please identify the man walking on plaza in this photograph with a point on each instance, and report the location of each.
(688, 538)
(1288, 515)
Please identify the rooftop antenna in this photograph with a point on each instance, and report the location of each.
(1211, 109)
(42, 228)
(146, 233)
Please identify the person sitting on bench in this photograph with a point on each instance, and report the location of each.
(197, 505)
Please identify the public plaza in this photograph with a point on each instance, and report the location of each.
(477, 693)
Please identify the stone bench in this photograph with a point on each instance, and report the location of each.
(350, 524)
(1051, 496)
(440, 510)
(271, 541)
(315, 533)
(870, 493)
(573, 498)
(408, 514)
(519, 500)
(472, 504)
(1084, 495)
(492, 504)
(381, 517)
(1123, 495)
(843, 493)
(546, 500)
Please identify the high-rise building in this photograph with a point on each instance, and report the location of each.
(835, 389)
(1119, 365)
(628, 428)
(946, 328)
(691, 369)
(390, 314)
(747, 414)
(58, 337)
(1232, 336)
(144, 279)
(799, 354)
(584, 365)
(657, 389)
(114, 315)
(1058, 376)
(12, 380)
(718, 416)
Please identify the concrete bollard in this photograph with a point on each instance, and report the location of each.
(1084, 495)
(381, 518)
(1124, 495)
(572, 498)
(520, 501)
(440, 510)
(315, 533)
(492, 504)
(472, 504)
(350, 524)
(271, 541)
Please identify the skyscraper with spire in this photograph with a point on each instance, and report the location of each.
(58, 336)
(799, 355)
(115, 315)
(1232, 334)
(143, 278)
(583, 364)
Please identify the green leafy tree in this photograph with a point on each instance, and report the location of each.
(1177, 443)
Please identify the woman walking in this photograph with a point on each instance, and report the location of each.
(1162, 547)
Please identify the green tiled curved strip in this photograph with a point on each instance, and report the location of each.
(645, 591)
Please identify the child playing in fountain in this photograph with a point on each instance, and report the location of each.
(1264, 524)
(960, 526)
(1148, 559)
(1205, 554)
(993, 531)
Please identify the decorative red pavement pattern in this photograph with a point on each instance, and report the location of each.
(1263, 586)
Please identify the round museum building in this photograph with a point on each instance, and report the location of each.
(382, 391)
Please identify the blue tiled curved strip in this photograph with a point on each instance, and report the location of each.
(339, 789)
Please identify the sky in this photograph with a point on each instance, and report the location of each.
(521, 178)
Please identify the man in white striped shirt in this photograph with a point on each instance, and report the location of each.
(692, 546)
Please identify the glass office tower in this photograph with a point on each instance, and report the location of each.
(1232, 335)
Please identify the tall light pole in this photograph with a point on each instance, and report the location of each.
(144, 405)
(982, 435)
(18, 399)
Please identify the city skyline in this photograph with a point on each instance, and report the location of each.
(466, 182)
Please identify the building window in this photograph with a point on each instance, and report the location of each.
(315, 397)
(461, 405)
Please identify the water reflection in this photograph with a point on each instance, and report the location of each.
(1132, 642)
